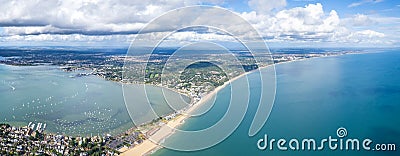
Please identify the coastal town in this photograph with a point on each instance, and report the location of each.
(196, 80)
(33, 140)
(27, 140)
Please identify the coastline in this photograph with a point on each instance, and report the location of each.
(148, 147)
(152, 147)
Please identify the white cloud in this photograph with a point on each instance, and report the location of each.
(117, 20)
(302, 22)
(356, 4)
(67, 40)
(369, 34)
(361, 20)
(263, 6)
(194, 36)
(312, 24)
(86, 16)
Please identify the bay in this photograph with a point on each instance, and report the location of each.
(69, 104)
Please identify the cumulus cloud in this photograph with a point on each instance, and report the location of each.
(84, 17)
(311, 24)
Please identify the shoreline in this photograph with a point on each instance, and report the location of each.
(148, 147)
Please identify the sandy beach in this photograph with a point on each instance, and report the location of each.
(148, 146)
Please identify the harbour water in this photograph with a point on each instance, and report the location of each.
(315, 97)
(65, 103)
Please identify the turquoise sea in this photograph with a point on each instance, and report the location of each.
(315, 97)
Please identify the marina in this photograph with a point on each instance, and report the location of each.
(77, 106)
(52, 109)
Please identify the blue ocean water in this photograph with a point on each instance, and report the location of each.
(315, 97)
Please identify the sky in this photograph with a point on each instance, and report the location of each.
(281, 23)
